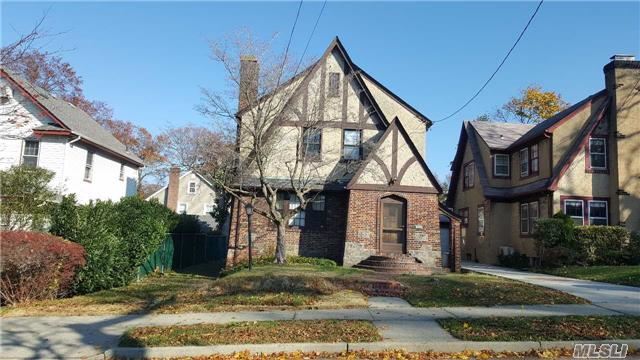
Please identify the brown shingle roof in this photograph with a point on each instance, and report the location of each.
(499, 135)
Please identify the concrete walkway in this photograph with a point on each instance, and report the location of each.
(623, 299)
(398, 322)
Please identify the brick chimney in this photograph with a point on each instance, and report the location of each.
(249, 72)
(173, 187)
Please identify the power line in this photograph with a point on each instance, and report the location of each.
(310, 36)
(499, 66)
(293, 28)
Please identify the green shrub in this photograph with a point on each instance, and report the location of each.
(633, 250)
(515, 261)
(602, 245)
(26, 198)
(554, 232)
(117, 237)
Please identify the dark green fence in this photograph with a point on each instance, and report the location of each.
(180, 251)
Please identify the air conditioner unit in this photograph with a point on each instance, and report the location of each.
(506, 250)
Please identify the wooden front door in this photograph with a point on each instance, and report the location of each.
(394, 224)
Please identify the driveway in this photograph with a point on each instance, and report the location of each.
(620, 298)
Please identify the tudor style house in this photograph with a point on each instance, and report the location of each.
(39, 129)
(376, 203)
(583, 162)
(190, 193)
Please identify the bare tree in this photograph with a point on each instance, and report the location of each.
(276, 128)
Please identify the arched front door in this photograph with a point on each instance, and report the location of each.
(393, 239)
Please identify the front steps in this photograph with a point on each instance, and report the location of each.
(394, 264)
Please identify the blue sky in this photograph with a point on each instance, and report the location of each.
(148, 60)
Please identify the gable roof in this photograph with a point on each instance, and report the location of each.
(416, 154)
(68, 117)
(201, 177)
(499, 135)
(469, 135)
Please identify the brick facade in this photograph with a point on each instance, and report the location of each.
(325, 240)
(363, 226)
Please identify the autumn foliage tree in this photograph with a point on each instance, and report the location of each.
(532, 106)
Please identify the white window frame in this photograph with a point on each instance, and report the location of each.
(195, 187)
(604, 154)
(523, 160)
(37, 155)
(352, 146)
(564, 206)
(88, 166)
(495, 164)
(205, 208)
(481, 220)
(182, 211)
(606, 209)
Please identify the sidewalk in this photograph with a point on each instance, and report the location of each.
(620, 298)
(398, 322)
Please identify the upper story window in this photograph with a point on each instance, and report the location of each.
(191, 188)
(528, 216)
(352, 144)
(334, 84)
(464, 214)
(598, 153)
(88, 166)
(311, 142)
(501, 165)
(468, 175)
(121, 176)
(480, 220)
(524, 162)
(30, 153)
(535, 159)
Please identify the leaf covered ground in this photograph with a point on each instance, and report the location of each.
(557, 328)
(253, 332)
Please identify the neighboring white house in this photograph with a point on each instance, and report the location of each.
(190, 193)
(39, 129)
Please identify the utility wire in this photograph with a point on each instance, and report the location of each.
(310, 36)
(499, 66)
(293, 28)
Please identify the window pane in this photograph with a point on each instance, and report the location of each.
(534, 151)
(31, 148)
(597, 146)
(298, 219)
(502, 164)
(481, 219)
(352, 137)
(334, 84)
(598, 209)
(598, 160)
(280, 198)
(524, 161)
(524, 218)
(351, 152)
(294, 202)
(534, 165)
(30, 161)
(598, 221)
(573, 207)
(318, 203)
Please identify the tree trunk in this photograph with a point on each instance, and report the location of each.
(280, 244)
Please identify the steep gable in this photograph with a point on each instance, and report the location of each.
(395, 164)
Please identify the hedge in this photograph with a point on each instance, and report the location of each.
(117, 237)
(602, 245)
(37, 266)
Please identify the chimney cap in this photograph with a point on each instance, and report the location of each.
(248, 58)
(623, 57)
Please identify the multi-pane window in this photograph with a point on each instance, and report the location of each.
(524, 162)
(88, 166)
(529, 213)
(313, 216)
(191, 189)
(121, 176)
(311, 140)
(598, 153)
(468, 175)
(30, 153)
(182, 208)
(299, 217)
(535, 159)
(352, 144)
(575, 210)
(318, 203)
(464, 214)
(598, 214)
(501, 165)
(334, 84)
(480, 220)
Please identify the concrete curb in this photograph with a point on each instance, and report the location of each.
(438, 346)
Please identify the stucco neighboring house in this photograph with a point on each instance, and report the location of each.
(190, 193)
(376, 201)
(38, 129)
(582, 161)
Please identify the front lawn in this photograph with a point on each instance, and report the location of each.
(555, 328)
(260, 332)
(622, 275)
(473, 289)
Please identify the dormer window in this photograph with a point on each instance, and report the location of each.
(501, 165)
(334, 84)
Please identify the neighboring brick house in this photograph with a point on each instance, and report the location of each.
(582, 161)
(39, 129)
(190, 193)
(377, 202)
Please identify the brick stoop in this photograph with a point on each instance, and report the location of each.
(394, 264)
